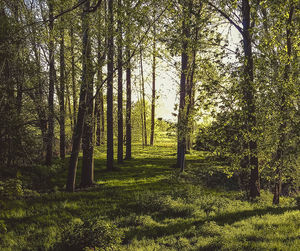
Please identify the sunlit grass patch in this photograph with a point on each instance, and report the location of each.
(149, 205)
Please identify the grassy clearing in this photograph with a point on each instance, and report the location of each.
(148, 205)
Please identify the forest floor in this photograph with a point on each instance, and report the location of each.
(146, 205)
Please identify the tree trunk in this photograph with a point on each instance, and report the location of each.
(120, 85)
(98, 100)
(153, 87)
(78, 129)
(74, 91)
(182, 118)
(69, 106)
(110, 65)
(50, 136)
(87, 174)
(141, 114)
(248, 98)
(144, 119)
(128, 104)
(62, 135)
(191, 95)
(283, 111)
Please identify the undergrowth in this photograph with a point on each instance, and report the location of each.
(146, 205)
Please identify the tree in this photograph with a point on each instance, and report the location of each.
(87, 174)
(62, 136)
(128, 86)
(78, 129)
(250, 160)
(120, 83)
(50, 134)
(182, 116)
(153, 85)
(144, 117)
(110, 72)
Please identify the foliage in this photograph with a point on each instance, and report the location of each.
(91, 234)
(11, 189)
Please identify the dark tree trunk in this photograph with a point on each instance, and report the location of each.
(62, 135)
(248, 98)
(120, 85)
(283, 111)
(153, 87)
(78, 129)
(182, 118)
(110, 65)
(50, 135)
(87, 174)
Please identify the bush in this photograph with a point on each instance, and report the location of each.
(95, 234)
(11, 189)
(3, 228)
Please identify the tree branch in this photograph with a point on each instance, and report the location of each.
(224, 14)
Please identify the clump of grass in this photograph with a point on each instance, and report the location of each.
(91, 234)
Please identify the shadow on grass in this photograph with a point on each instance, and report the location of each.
(231, 218)
(178, 228)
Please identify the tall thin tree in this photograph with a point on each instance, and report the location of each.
(120, 83)
(182, 116)
(281, 149)
(110, 72)
(78, 129)
(50, 134)
(153, 98)
(62, 134)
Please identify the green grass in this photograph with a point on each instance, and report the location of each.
(148, 205)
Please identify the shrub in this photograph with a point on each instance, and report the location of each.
(3, 228)
(11, 189)
(95, 234)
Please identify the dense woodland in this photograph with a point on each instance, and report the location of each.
(86, 163)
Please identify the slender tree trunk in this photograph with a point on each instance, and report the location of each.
(182, 118)
(50, 136)
(78, 129)
(128, 104)
(102, 117)
(62, 134)
(74, 91)
(248, 97)
(191, 96)
(69, 106)
(153, 87)
(87, 175)
(97, 100)
(39, 97)
(142, 114)
(144, 120)
(120, 85)
(110, 65)
(283, 111)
